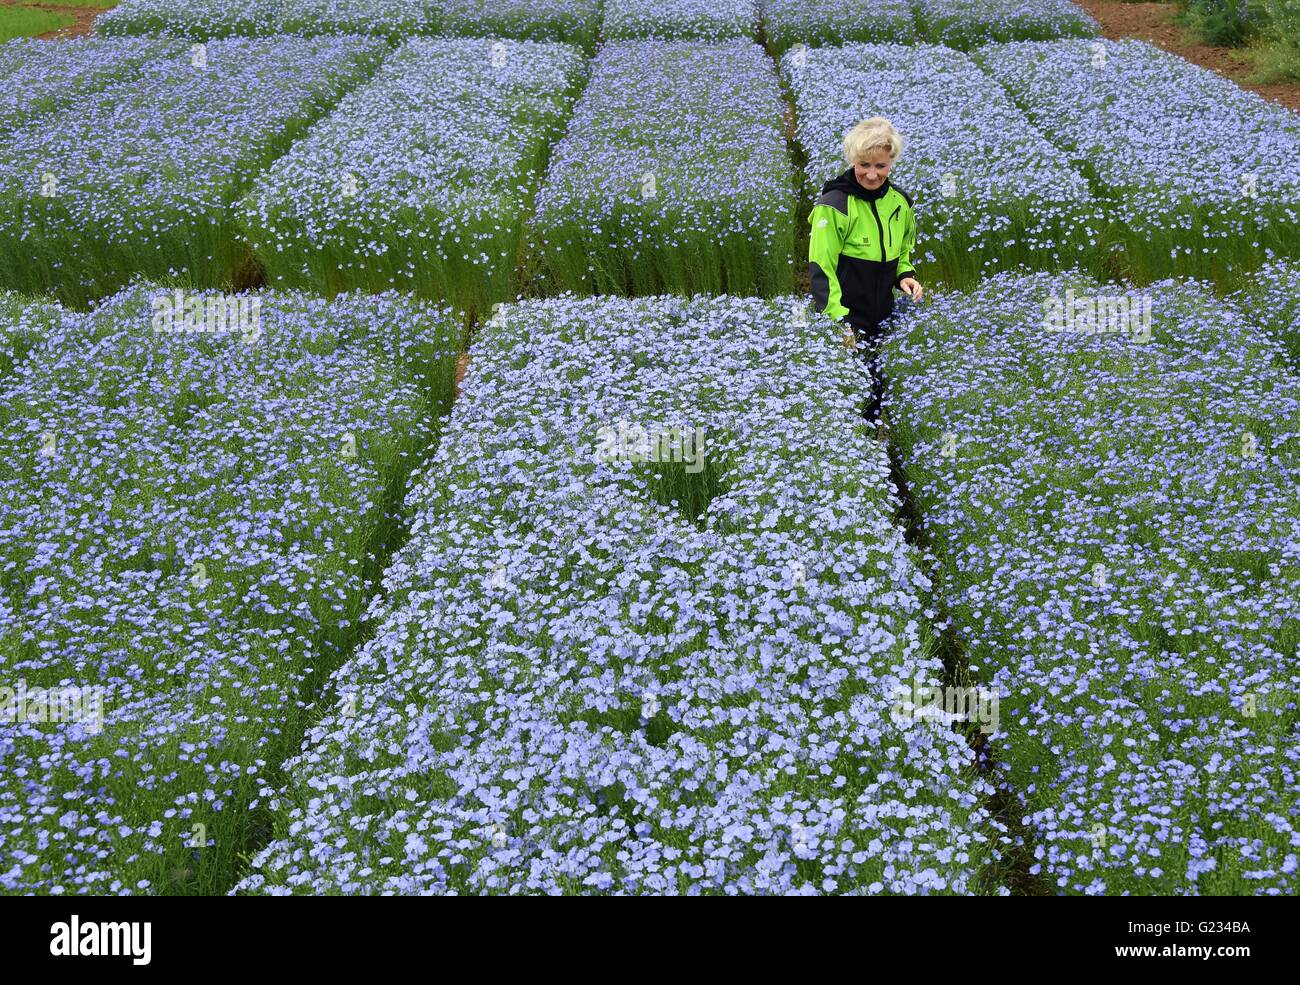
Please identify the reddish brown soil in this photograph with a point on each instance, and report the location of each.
(1154, 22)
(462, 363)
(84, 23)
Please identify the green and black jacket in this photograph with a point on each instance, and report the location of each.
(860, 248)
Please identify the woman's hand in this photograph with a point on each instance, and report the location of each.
(910, 287)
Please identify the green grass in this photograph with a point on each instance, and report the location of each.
(1264, 34)
(1226, 23)
(27, 22)
(1277, 61)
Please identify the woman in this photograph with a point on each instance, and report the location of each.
(863, 232)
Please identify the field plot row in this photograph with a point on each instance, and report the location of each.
(968, 23)
(423, 179)
(673, 176)
(141, 177)
(646, 636)
(1149, 129)
(700, 20)
(831, 22)
(412, 182)
(38, 78)
(658, 166)
(197, 487)
(1110, 480)
(958, 23)
(1272, 301)
(573, 21)
(1100, 155)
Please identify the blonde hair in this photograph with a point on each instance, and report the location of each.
(876, 133)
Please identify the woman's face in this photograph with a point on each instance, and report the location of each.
(872, 169)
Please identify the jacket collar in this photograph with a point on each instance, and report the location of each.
(847, 182)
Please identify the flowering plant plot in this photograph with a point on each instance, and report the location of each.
(195, 19)
(421, 180)
(142, 177)
(201, 485)
(1149, 128)
(574, 22)
(672, 177)
(1110, 483)
(700, 20)
(970, 23)
(396, 19)
(37, 77)
(1272, 301)
(571, 21)
(24, 322)
(647, 635)
(787, 23)
(991, 192)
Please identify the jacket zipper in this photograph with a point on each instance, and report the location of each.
(880, 227)
(897, 209)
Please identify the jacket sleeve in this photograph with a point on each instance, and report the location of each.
(829, 227)
(905, 268)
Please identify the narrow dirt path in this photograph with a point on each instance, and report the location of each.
(1014, 860)
(84, 24)
(1154, 22)
(462, 364)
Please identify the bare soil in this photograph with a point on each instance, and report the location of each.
(83, 25)
(462, 363)
(1154, 22)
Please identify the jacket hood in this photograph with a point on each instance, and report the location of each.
(847, 182)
